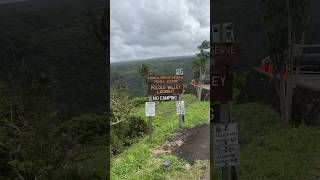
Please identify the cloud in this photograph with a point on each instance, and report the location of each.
(142, 29)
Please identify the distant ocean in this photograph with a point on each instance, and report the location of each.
(11, 1)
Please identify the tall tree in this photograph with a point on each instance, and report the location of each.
(99, 26)
(199, 65)
(143, 70)
(285, 25)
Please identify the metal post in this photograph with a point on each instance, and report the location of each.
(150, 124)
(182, 119)
(150, 130)
(181, 116)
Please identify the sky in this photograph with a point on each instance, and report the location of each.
(143, 29)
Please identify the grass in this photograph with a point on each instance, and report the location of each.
(94, 158)
(268, 150)
(137, 162)
(271, 152)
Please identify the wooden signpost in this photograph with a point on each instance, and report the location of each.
(165, 88)
(222, 84)
(224, 144)
(225, 54)
(168, 89)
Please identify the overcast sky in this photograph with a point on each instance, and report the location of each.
(142, 29)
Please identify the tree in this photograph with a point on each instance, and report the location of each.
(120, 104)
(285, 25)
(99, 26)
(27, 125)
(143, 70)
(199, 65)
(30, 146)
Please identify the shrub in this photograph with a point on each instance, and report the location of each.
(137, 126)
(116, 143)
(86, 128)
(240, 80)
(125, 133)
(139, 101)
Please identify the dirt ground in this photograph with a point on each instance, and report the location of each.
(195, 146)
(191, 145)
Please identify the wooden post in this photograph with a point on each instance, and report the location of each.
(234, 173)
(224, 107)
(224, 118)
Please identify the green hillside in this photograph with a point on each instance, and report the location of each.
(127, 71)
(51, 37)
(53, 82)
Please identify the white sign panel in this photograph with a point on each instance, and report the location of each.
(180, 107)
(225, 156)
(150, 109)
(165, 97)
(179, 71)
(225, 133)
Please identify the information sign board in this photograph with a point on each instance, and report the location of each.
(150, 109)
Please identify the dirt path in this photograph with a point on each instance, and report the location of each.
(196, 146)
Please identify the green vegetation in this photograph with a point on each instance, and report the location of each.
(53, 37)
(200, 64)
(125, 126)
(35, 143)
(272, 152)
(52, 91)
(139, 161)
(143, 70)
(239, 81)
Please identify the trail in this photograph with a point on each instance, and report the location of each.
(196, 146)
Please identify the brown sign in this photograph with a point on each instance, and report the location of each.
(155, 89)
(224, 54)
(165, 79)
(221, 87)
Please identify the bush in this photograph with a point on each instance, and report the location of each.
(86, 128)
(239, 80)
(139, 101)
(137, 126)
(125, 133)
(116, 143)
